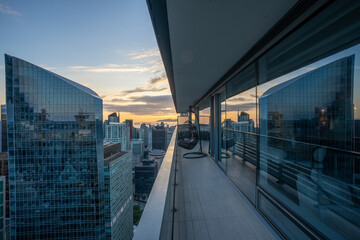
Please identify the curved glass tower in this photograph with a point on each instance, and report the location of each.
(55, 155)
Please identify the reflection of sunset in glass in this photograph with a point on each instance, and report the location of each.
(244, 102)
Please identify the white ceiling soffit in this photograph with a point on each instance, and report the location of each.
(208, 37)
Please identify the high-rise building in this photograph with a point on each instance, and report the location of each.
(159, 138)
(114, 117)
(3, 130)
(323, 119)
(243, 116)
(137, 148)
(136, 133)
(116, 132)
(2, 207)
(118, 193)
(130, 125)
(56, 159)
(317, 118)
(157, 156)
(244, 123)
(145, 175)
(4, 171)
(151, 128)
(144, 134)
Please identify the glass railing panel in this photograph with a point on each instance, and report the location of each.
(240, 138)
(222, 130)
(241, 154)
(204, 121)
(319, 184)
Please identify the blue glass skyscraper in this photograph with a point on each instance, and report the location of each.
(55, 155)
(315, 107)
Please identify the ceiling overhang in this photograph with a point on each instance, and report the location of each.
(200, 41)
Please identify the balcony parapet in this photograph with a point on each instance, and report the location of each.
(157, 219)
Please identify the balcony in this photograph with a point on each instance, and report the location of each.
(283, 112)
(193, 199)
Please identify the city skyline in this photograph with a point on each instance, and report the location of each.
(166, 119)
(125, 70)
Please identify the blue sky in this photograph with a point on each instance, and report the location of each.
(108, 46)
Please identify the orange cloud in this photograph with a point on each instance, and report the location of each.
(145, 53)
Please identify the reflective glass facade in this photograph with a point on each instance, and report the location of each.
(305, 143)
(291, 145)
(285, 129)
(3, 130)
(55, 155)
(2, 207)
(118, 196)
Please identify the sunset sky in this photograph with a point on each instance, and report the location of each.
(108, 46)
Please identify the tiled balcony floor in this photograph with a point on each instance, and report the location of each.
(209, 206)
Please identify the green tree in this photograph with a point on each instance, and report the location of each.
(137, 212)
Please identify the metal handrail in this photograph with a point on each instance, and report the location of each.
(294, 141)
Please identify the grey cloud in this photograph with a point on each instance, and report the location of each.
(154, 105)
(155, 80)
(162, 99)
(144, 89)
(241, 107)
(167, 120)
(236, 99)
(118, 100)
(160, 79)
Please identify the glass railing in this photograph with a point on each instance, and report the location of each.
(318, 184)
(239, 149)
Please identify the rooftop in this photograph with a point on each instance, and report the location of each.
(147, 164)
(114, 157)
(74, 84)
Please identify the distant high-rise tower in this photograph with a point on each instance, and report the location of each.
(136, 133)
(324, 118)
(244, 123)
(159, 138)
(145, 175)
(144, 134)
(243, 117)
(116, 132)
(137, 148)
(113, 117)
(129, 123)
(56, 161)
(3, 130)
